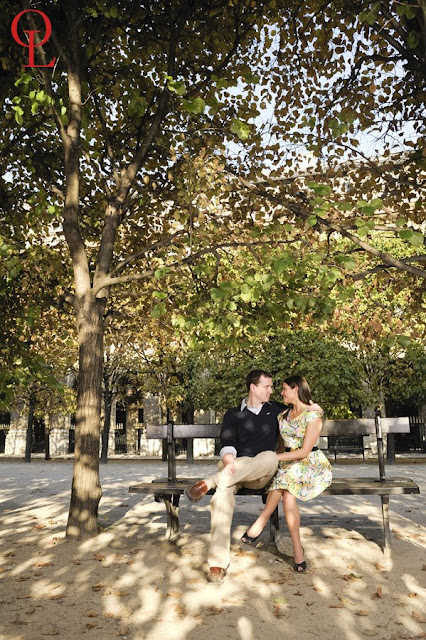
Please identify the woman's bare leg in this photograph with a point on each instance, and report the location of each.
(292, 516)
(272, 501)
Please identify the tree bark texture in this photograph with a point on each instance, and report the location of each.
(86, 490)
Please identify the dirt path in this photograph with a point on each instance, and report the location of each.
(129, 583)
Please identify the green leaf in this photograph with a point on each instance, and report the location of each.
(160, 273)
(217, 294)
(177, 86)
(279, 266)
(320, 189)
(158, 310)
(344, 206)
(348, 262)
(416, 239)
(160, 295)
(312, 220)
(246, 293)
(404, 341)
(194, 106)
(241, 129)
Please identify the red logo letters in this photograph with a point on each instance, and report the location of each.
(31, 44)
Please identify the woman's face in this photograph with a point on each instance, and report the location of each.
(289, 395)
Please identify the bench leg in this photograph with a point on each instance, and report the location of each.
(386, 525)
(274, 523)
(274, 526)
(172, 508)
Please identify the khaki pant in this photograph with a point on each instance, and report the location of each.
(253, 473)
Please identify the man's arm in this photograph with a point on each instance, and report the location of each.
(228, 440)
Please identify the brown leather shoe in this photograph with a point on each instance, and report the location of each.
(197, 491)
(216, 575)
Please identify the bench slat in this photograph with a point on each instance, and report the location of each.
(339, 486)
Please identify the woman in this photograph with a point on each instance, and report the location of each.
(303, 470)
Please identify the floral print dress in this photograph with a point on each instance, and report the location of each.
(305, 478)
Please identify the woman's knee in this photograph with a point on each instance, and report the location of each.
(288, 498)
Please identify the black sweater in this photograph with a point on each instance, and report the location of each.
(250, 433)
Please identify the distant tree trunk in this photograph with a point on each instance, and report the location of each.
(188, 412)
(29, 437)
(47, 443)
(108, 401)
(86, 490)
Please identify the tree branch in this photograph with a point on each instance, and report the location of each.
(384, 267)
(167, 241)
(107, 281)
(299, 211)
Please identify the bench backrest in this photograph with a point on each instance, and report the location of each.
(361, 426)
(351, 427)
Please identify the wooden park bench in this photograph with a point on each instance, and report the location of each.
(171, 488)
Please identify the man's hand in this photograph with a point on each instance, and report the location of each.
(230, 468)
(316, 407)
(229, 464)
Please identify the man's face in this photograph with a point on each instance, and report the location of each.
(263, 390)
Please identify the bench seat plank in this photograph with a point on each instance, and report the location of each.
(339, 486)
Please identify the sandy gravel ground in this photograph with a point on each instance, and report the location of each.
(129, 583)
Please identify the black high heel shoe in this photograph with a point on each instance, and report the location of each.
(249, 539)
(300, 567)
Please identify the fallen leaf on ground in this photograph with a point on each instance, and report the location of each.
(91, 614)
(43, 564)
(418, 617)
(180, 610)
(378, 593)
(369, 632)
(100, 557)
(379, 566)
(350, 577)
(362, 612)
(213, 611)
(279, 601)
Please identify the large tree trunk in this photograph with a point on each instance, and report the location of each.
(86, 490)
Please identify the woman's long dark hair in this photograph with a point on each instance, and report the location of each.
(304, 391)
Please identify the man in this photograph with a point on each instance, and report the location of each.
(249, 438)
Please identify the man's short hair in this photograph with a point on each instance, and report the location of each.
(255, 375)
